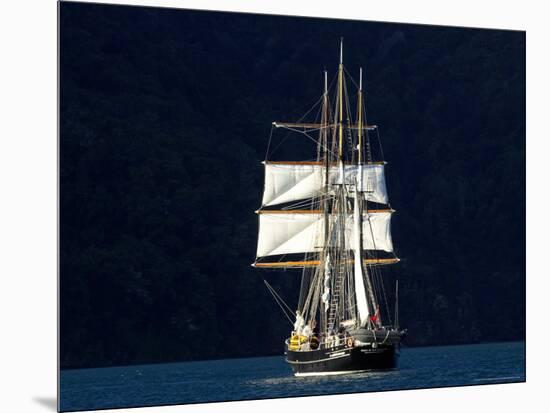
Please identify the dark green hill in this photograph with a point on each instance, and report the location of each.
(165, 116)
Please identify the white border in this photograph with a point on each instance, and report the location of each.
(28, 207)
(467, 13)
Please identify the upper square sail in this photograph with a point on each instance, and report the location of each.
(294, 181)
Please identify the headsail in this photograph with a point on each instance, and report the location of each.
(360, 293)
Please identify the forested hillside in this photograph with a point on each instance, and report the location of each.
(165, 117)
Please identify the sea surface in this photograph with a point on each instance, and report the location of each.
(270, 377)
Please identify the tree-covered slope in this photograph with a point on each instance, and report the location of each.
(164, 119)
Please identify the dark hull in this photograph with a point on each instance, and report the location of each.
(343, 359)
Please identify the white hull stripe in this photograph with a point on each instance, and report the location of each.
(337, 354)
(328, 373)
(317, 361)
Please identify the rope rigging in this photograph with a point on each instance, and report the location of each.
(280, 302)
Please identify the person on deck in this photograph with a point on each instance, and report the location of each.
(299, 323)
(314, 340)
(307, 331)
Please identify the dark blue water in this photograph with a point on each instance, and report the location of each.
(268, 377)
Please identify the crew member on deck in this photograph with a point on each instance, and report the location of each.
(299, 323)
(314, 340)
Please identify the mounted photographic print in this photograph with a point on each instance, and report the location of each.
(258, 206)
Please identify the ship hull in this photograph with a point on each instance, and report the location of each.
(343, 359)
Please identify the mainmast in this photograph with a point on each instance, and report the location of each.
(337, 306)
(324, 140)
(360, 124)
(326, 212)
(341, 101)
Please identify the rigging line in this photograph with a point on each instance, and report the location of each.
(317, 102)
(351, 77)
(332, 81)
(275, 298)
(307, 136)
(320, 139)
(305, 284)
(308, 301)
(311, 201)
(376, 289)
(284, 312)
(299, 204)
(310, 291)
(299, 120)
(365, 122)
(317, 120)
(317, 295)
(350, 295)
(367, 140)
(318, 115)
(278, 296)
(386, 300)
(380, 144)
(330, 84)
(320, 120)
(378, 272)
(280, 143)
(313, 206)
(348, 121)
(379, 296)
(269, 142)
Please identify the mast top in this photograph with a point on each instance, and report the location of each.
(360, 79)
(341, 50)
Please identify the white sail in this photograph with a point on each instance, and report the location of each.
(289, 233)
(377, 232)
(292, 232)
(360, 293)
(289, 182)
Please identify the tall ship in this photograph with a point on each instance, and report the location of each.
(329, 217)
